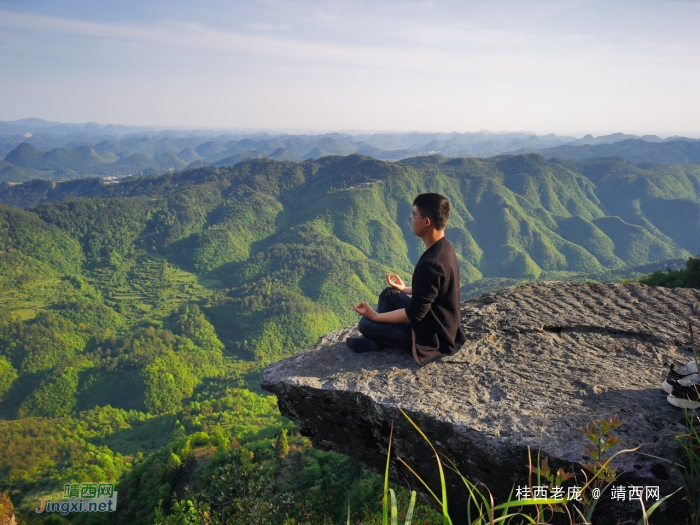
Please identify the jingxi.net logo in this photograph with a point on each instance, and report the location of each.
(82, 497)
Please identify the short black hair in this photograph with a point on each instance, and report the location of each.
(434, 206)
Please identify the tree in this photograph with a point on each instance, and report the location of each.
(238, 492)
(282, 444)
(162, 392)
(7, 516)
(8, 375)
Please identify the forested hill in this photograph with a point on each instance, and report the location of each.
(290, 245)
(137, 305)
(515, 216)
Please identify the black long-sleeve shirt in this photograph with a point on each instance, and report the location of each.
(434, 309)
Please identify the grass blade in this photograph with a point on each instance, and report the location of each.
(385, 502)
(445, 516)
(419, 479)
(409, 514)
(646, 514)
(394, 509)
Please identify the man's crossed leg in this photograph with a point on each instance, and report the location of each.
(378, 335)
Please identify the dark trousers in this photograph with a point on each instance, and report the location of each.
(391, 334)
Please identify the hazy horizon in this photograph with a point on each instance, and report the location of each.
(302, 131)
(569, 68)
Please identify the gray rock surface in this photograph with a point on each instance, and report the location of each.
(540, 361)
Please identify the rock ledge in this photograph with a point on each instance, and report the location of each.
(540, 361)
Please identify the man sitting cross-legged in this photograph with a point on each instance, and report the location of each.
(427, 323)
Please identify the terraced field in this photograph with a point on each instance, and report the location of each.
(149, 285)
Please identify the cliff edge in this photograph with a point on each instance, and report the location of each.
(541, 361)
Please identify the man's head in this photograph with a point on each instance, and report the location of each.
(432, 206)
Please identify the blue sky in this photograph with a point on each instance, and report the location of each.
(544, 66)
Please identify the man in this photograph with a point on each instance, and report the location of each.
(427, 323)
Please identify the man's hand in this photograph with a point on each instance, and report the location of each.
(395, 282)
(365, 310)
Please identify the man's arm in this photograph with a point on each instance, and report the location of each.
(395, 316)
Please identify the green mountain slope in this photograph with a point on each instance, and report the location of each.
(129, 302)
(78, 159)
(277, 234)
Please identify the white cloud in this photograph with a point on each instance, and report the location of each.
(194, 38)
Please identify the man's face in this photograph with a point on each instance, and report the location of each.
(420, 222)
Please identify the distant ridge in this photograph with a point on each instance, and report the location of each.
(676, 151)
(55, 151)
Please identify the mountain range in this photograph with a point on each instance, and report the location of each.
(516, 215)
(33, 148)
(275, 251)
